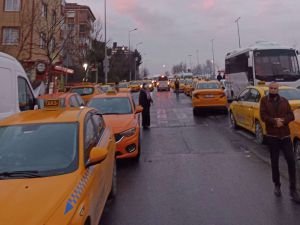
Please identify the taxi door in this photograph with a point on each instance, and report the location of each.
(95, 134)
(242, 108)
(251, 105)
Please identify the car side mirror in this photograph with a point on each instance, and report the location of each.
(97, 155)
(138, 109)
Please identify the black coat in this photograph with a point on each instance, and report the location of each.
(143, 99)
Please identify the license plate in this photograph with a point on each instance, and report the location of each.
(209, 96)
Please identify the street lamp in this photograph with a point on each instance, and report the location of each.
(85, 66)
(238, 29)
(135, 67)
(129, 53)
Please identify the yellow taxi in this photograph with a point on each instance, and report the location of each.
(209, 95)
(244, 110)
(135, 86)
(121, 114)
(188, 86)
(56, 167)
(295, 133)
(149, 85)
(86, 91)
(66, 99)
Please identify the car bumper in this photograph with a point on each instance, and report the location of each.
(126, 145)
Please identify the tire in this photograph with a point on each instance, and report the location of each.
(232, 121)
(195, 112)
(113, 190)
(297, 149)
(137, 158)
(259, 136)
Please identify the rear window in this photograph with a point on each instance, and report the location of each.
(208, 86)
(163, 78)
(83, 90)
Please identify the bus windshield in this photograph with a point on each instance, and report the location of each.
(276, 65)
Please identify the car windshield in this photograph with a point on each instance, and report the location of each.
(83, 90)
(49, 149)
(111, 105)
(208, 86)
(105, 88)
(123, 85)
(276, 63)
(289, 94)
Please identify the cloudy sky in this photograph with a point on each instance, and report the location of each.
(171, 30)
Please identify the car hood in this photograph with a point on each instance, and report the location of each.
(120, 123)
(33, 201)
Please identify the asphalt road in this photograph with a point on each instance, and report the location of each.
(198, 171)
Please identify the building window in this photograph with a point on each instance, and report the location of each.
(12, 5)
(10, 35)
(42, 40)
(44, 10)
(82, 28)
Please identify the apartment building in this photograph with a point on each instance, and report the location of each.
(33, 32)
(79, 19)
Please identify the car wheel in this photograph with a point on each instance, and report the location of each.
(259, 135)
(113, 190)
(138, 156)
(232, 120)
(195, 112)
(297, 149)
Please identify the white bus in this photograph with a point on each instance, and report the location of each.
(264, 61)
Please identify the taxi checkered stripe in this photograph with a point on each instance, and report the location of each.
(71, 202)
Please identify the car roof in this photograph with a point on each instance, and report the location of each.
(46, 116)
(265, 87)
(116, 95)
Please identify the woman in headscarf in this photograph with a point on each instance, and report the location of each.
(145, 101)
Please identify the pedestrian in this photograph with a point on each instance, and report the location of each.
(276, 112)
(219, 77)
(176, 83)
(145, 101)
(117, 86)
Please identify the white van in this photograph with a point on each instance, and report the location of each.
(16, 93)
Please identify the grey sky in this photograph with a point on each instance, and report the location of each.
(173, 29)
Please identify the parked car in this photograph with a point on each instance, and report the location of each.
(56, 164)
(15, 89)
(244, 110)
(122, 115)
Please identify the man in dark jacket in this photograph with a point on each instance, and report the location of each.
(276, 112)
(145, 101)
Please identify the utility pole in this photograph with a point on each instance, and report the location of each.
(213, 55)
(106, 62)
(129, 52)
(238, 29)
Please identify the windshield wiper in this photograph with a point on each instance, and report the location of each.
(24, 173)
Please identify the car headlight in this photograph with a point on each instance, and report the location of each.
(129, 132)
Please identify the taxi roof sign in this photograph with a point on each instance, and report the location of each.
(52, 103)
(111, 92)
